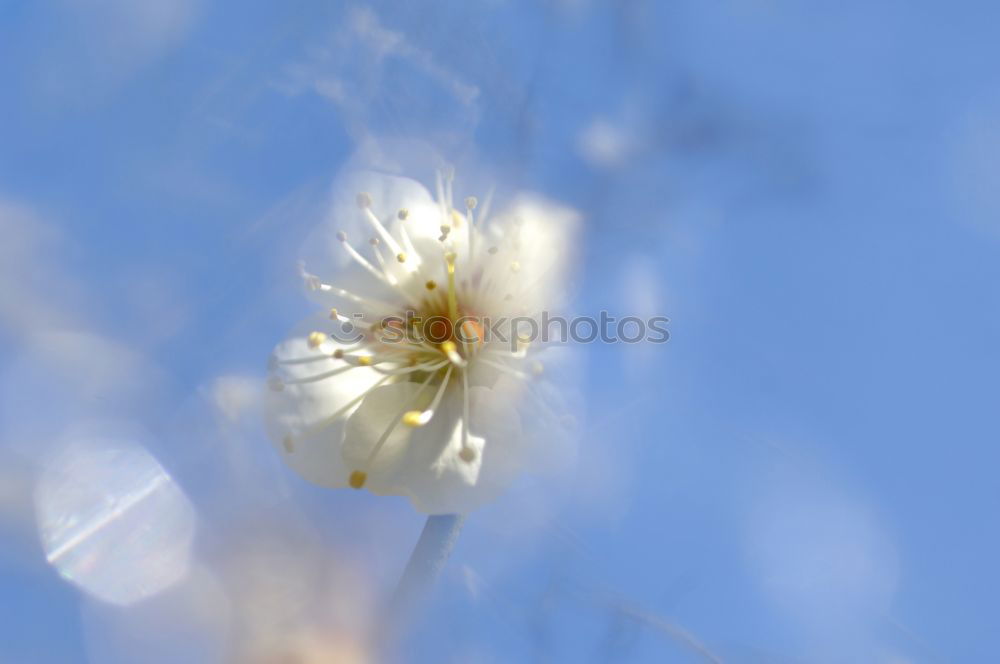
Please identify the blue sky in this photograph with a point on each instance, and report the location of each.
(804, 473)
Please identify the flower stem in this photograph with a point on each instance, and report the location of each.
(428, 558)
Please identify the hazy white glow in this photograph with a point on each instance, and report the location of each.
(113, 522)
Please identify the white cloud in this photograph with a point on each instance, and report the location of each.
(822, 559)
(352, 69)
(605, 144)
(63, 368)
(96, 45)
(235, 397)
(974, 169)
(35, 289)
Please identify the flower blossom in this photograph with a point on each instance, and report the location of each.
(397, 386)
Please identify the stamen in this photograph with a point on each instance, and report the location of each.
(311, 281)
(381, 260)
(428, 366)
(506, 353)
(439, 182)
(504, 368)
(360, 475)
(416, 418)
(430, 285)
(470, 205)
(357, 479)
(359, 259)
(365, 203)
(318, 377)
(484, 210)
(449, 349)
(449, 178)
(452, 292)
(406, 237)
(309, 359)
(315, 339)
(371, 302)
(466, 454)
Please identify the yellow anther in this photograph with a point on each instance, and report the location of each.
(449, 347)
(401, 257)
(338, 354)
(365, 360)
(445, 229)
(315, 339)
(431, 285)
(450, 257)
(412, 418)
(357, 479)
(515, 266)
(467, 454)
(334, 315)
(403, 214)
(471, 202)
(288, 443)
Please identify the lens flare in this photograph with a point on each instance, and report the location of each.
(112, 521)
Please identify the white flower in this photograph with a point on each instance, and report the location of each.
(436, 409)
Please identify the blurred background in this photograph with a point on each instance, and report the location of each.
(804, 473)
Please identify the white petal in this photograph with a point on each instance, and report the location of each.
(541, 237)
(296, 413)
(425, 463)
(457, 486)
